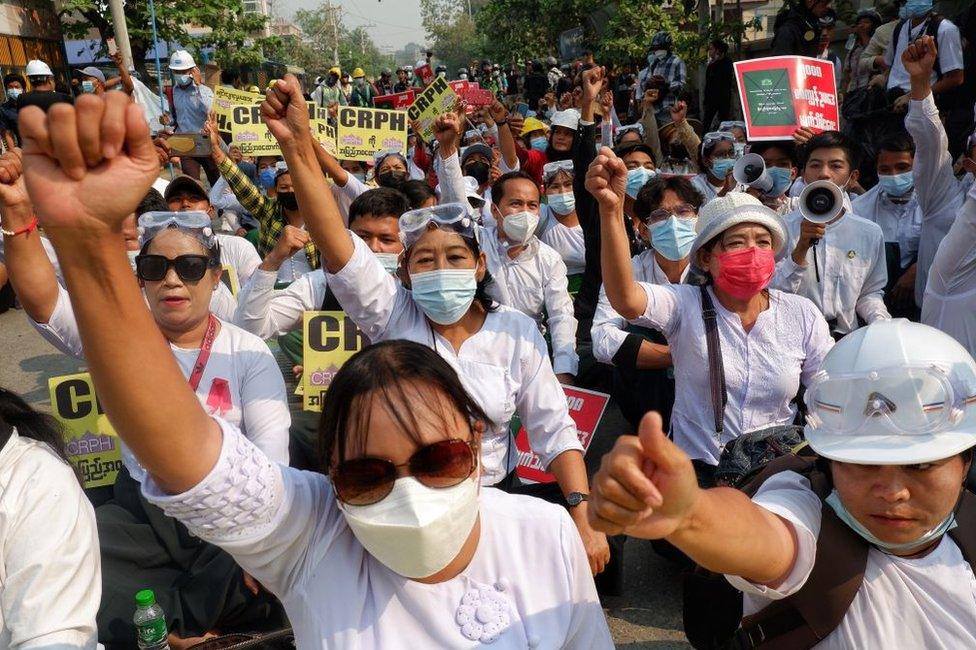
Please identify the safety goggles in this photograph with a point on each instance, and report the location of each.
(447, 216)
(630, 127)
(712, 138)
(727, 126)
(196, 224)
(683, 211)
(444, 464)
(189, 268)
(907, 400)
(552, 168)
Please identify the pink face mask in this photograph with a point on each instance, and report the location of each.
(744, 273)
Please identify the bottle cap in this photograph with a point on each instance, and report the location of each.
(146, 598)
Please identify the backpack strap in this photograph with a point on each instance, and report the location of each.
(716, 370)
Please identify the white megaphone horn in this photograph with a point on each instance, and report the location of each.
(750, 170)
(821, 202)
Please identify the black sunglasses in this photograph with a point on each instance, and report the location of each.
(189, 268)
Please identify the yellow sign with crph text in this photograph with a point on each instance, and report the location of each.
(437, 98)
(242, 119)
(331, 338)
(362, 132)
(92, 444)
(225, 99)
(325, 133)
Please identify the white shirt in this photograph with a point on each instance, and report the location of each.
(566, 241)
(50, 567)
(536, 284)
(850, 260)
(294, 267)
(704, 187)
(950, 52)
(529, 571)
(504, 365)
(939, 193)
(265, 311)
(609, 328)
(763, 368)
(926, 602)
(240, 254)
(900, 220)
(241, 368)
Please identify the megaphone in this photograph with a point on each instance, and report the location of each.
(750, 170)
(821, 202)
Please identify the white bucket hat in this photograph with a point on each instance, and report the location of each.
(569, 119)
(893, 393)
(724, 212)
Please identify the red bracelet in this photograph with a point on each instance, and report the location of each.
(20, 231)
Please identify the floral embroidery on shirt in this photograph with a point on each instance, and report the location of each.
(483, 614)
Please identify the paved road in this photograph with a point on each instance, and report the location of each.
(647, 615)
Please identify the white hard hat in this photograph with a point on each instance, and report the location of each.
(724, 212)
(37, 68)
(893, 393)
(181, 60)
(569, 119)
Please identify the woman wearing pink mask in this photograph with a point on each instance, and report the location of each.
(768, 342)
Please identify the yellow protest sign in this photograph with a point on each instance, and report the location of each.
(246, 128)
(325, 133)
(225, 99)
(92, 444)
(330, 339)
(364, 131)
(228, 275)
(436, 99)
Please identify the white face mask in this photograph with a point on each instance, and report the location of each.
(390, 261)
(416, 531)
(520, 227)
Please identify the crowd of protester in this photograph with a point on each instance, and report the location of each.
(793, 393)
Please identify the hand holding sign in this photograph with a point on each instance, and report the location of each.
(285, 112)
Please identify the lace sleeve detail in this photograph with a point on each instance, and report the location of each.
(240, 497)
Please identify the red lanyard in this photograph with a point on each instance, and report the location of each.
(201, 363)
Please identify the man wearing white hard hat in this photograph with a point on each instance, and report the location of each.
(192, 102)
(42, 92)
(870, 543)
(740, 350)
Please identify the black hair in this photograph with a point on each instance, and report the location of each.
(14, 76)
(386, 371)
(720, 46)
(153, 201)
(379, 202)
(833, 140)
(786, 146)
(417, 192)
(650, 196)
(630, 147)
(498, 187)
(229, 77)
(15, 412)
(897, 143)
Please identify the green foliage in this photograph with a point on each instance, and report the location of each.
(451, 33)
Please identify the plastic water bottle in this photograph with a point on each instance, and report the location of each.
(150, 622)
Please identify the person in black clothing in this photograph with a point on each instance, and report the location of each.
(536, 85)
(512, 76)
(42, 93)
(797, 28)
(14, 85)
(719, 82)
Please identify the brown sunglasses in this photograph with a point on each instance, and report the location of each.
(368, 480)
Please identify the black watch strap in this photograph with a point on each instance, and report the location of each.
(573, 499)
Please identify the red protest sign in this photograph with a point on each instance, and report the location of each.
(459, 86)
(425, 72)
(586, 408)
(398, 101)
(780, 94)
(478, 97)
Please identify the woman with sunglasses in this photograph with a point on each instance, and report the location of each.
(769, 342)
(395, 547)
(443, 303)
(716, 158)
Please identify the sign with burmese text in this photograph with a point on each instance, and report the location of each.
(586, 408)
(331, 338)
(780, 94)
(92, 444)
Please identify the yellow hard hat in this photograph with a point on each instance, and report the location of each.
(357, 73)
(532, 124)
(335, 70)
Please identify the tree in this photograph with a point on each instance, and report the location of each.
(231, 36)
(452, 34)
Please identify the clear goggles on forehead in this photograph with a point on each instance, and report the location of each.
(727, 126)
(195, 224)
(630, 127)
(712, 138)
(552, 168)
(447, 216)
(903, 399)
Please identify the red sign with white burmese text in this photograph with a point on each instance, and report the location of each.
(586, 408)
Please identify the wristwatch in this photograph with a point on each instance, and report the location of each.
(573, 499)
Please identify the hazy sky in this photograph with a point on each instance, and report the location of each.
(396, 22)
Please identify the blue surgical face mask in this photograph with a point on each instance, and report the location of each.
(917, 8)
(390, 261)
(897, 184)
(444, 295)
(539, 143)
(838, 507)
(781, 180)
(720, 167)
(267, 177)
(183, 79)
(673, 237)
(87, 87)
(562, 203)
(360, 176)
(637, 178)
(14, 93)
